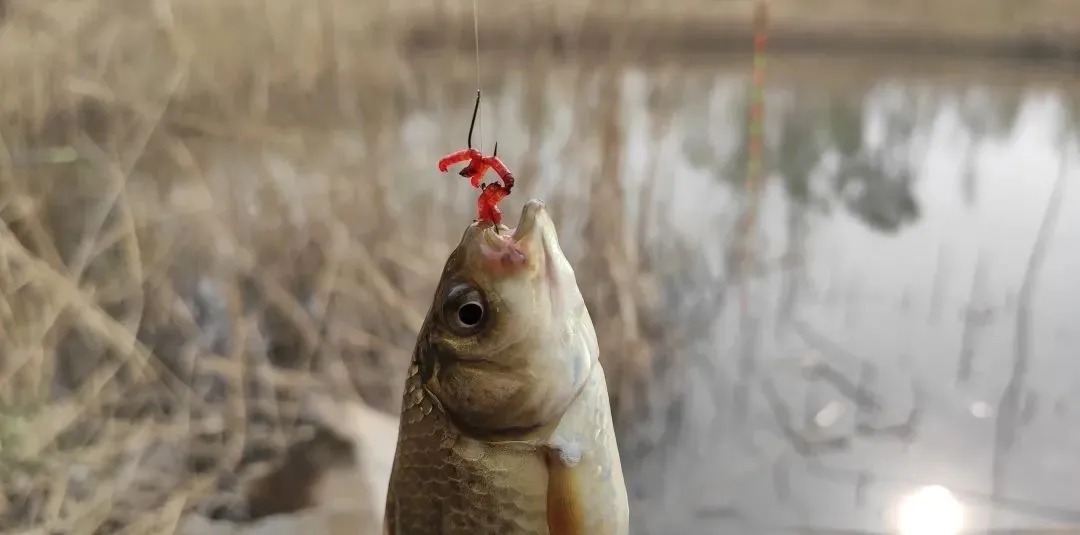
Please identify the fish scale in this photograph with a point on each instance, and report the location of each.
(459, 496)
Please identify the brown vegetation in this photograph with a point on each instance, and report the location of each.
(185, 255)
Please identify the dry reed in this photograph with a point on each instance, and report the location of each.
(187, 249)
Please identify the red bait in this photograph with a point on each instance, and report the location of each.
(487, 206)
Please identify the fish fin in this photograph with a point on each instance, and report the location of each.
(564, 509)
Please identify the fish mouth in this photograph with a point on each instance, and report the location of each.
(530, 247)
(535, 233)
(534, 218)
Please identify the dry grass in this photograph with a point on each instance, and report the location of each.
(187, 249)
(167, 289)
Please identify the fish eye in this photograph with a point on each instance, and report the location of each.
(470, 314)
(465, 309)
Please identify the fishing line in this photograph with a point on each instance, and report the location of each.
(476, 39)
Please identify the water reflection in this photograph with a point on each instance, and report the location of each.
(836, 389)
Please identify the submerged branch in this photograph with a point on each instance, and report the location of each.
(1009, 407)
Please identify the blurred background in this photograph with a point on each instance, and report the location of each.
(223, 224)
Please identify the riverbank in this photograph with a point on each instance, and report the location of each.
(1035, 30)
(253, 57)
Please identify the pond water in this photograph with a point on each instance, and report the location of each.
(893, 344)
(898, 328)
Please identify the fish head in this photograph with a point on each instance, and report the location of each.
(508, 342)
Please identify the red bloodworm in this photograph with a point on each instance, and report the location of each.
(491, 194)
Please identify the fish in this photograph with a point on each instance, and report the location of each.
(505, 424)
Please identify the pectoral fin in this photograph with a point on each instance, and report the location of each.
(564, 504)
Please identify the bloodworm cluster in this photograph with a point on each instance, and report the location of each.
(487, 206)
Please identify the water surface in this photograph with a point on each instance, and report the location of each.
(884, 340)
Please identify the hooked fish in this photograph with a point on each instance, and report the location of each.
(505, 421)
